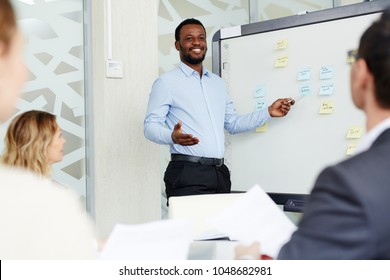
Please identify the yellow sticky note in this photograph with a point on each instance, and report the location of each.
(351, 149)
(262, 128)
(326, 107)
(355, 132)
(282, 44)
(350, 60)
(281, 61)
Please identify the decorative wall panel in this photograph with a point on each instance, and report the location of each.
(54, 56)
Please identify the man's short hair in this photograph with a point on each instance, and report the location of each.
(374, 48)
(185, 22)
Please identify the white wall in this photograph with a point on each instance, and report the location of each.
(127, 178)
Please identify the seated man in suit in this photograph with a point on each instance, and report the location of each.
(347, 214)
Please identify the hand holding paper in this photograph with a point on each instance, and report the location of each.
(255, 217)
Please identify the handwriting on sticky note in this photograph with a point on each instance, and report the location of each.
(281, 61)
(326, 72)
(326, 107)
(326, 89)
(305, 90)
(282, 44)
(304, 74)
(261, 103)
(355, 132)
(351, 149)
(260, 91)
(262, 128)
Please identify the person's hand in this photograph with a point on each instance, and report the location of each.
(183, 139)
(280, 107)
(251, 252)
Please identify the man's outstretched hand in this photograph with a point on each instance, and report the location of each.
(280, 107)
(183, 139)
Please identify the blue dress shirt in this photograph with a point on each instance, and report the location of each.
(204, 107)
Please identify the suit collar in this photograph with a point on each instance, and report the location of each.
(366, 142)
(382, 138)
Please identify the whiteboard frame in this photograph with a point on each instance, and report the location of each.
(348, 11)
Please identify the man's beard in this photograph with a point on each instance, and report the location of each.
(190, 59)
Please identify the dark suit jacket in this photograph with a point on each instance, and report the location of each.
(348, 214)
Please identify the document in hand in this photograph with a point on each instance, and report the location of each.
(255, 217)
(167, 239)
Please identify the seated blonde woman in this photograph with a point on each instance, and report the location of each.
(34, 142)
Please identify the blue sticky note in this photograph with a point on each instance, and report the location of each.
(326, 89)
(304, 90)
(326, 72)
(260, 91)
(304, 74)
(261, 103)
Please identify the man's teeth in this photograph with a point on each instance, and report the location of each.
(196, 50)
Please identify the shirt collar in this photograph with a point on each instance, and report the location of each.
(188, 71)
(372, 135)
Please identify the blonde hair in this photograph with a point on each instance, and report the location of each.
(27, 141)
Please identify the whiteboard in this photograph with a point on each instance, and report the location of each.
(288, 156)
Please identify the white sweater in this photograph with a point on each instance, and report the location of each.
(40, 220)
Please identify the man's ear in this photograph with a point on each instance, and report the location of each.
(177, 45)
(364, 75)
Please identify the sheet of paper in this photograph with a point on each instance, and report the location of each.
(326, 72)
(326, 89)
(355, 132)
(211, 234)
(281, 61)
(304, 74)
(282, 44)
(255, 217)
(166, 239)
(326, 107)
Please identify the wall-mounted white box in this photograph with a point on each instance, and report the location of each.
(114, 69)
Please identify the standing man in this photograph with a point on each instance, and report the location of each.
(189, 108)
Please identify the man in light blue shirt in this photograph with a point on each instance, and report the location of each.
(188, 109)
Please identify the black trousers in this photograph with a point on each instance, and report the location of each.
(189, 178)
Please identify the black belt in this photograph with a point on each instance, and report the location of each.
(200, 160)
